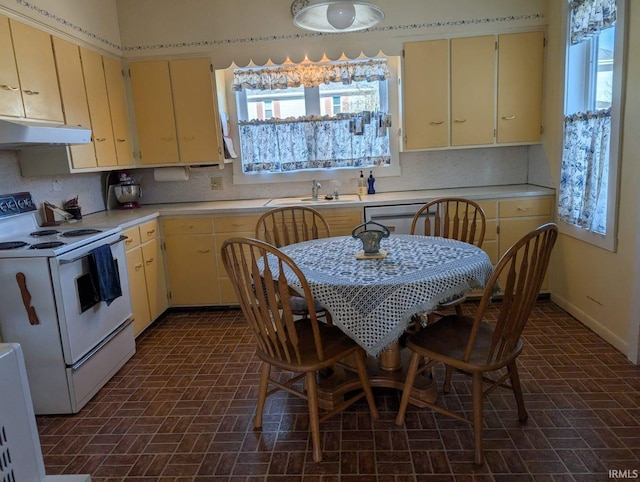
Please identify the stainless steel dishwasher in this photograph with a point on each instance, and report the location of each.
(396, 217)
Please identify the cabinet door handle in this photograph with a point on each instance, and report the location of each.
(31, 92)
(8, 87)
(203, 251)
(166, 138)
(436, 123)
(150, 232)
(524, 209)
(149, 261)
(188, 138)
(100, 139)
(460, 121)
(511, 117)
(138, 267)
(121, 140)
(128, 241)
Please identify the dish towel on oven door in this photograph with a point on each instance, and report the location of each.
(104, 274)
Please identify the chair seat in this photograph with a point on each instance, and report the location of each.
(448, 338)
(336, 346)
(299, 305)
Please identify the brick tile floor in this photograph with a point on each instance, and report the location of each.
(181, 410)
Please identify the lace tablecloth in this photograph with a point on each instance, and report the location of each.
(373, 300)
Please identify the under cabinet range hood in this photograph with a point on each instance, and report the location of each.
(20, 133)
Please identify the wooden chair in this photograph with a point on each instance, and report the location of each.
(453, 218)
(260, 274)
(476, 347)
(289, 225)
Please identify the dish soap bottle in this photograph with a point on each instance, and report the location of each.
(362, 185)
(371, 181)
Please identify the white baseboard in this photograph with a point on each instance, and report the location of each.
(593, 324)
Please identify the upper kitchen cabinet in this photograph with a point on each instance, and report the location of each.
(473, 83)
(426, 94)
(114, 78)
(10, 95)
(520, 75)
(37, 72)
(176, 113)
(473, 91)
(74, 99)
(99, 110)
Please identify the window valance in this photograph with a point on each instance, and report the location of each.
(590, 17)
(310, 75)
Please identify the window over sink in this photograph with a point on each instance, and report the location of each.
(316, 120)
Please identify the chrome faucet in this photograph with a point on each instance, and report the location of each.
(314, 189)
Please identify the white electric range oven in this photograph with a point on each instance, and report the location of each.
(73, 342)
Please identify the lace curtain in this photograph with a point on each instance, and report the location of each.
(585, 170)
(590, 17)
(315, 143)
(312, 142)
(309, 75)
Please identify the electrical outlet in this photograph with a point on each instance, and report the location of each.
(216, 183)
(56, 185)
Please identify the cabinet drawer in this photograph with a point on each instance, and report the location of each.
(525, 207)
(133, 237)
(235, 224)
(148, 231)
(187, 226)
(490, 209)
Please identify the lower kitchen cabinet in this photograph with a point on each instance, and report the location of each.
(228, 227)
(519, 216)
(147, 282)
(342, 221)
(191, 261)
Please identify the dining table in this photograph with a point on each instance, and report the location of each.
(374, 298)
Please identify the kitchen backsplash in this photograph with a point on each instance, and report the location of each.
(420, 170)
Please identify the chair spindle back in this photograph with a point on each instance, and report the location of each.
(288, 225)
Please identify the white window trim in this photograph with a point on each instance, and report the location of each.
(607, 241)
(393, 64)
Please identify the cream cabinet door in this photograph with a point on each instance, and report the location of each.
(426, 94)
(155, 278)
(153, 104)
(74, 99)
(520, 70)
(10, 95)
(98, 107)
(138, 290)
(119, 113)
(37, 72)
(197, 123)
(473, 84)
(191, 265)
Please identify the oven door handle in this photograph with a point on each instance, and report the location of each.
(68, 261)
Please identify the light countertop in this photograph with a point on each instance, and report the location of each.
(131, 217)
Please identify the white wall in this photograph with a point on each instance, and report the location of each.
(597, 286)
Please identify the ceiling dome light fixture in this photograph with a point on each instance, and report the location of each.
(335, 16)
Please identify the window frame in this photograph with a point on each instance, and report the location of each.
(606, 241)
(339, 174)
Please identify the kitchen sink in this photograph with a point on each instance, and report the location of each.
(288, 201)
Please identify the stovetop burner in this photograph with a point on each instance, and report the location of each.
(44, 232)
(49, 245)
(79, 232)
(13, 245)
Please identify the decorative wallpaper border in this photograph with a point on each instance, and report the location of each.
(296, 36)
(66, 23)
